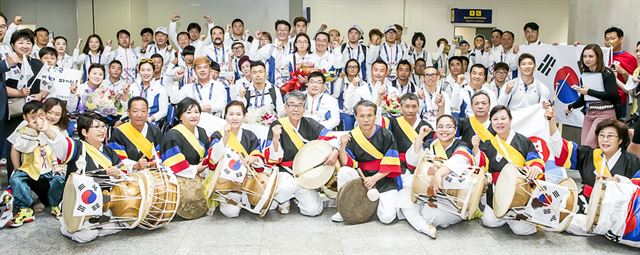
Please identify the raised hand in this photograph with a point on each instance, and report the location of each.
(175, 17)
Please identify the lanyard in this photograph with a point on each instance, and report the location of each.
(197, 87)
(319, 102)
(143, 91)
(426, 105)
(91, 59)
(216, 53)
(261, 97)
(390, 56)
(357, 56)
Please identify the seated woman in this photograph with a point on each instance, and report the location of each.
(609, 160)
(241, 141)
(56, 114)
(458, 158)
(90, 155)
(37, 166)
(184, 150)
(502, 148)
(185, 146)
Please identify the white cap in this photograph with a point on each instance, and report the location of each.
(162, 30)
(390, 27)
(356, 27)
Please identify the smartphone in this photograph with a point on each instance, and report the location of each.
(616, 63)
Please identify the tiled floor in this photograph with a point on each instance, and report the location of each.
(296, 234)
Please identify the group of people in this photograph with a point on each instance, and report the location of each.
(382, 107)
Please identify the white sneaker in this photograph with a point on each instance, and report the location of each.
(337, 218)
(431, 231)
(284, 208)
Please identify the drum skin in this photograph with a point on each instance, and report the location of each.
(72, 223)
(192, 204)
(572, 201)
(595, 202)
(353, 204)
(308, 169)
(164, 198)
(510, 191)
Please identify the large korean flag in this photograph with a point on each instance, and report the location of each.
(557, 67)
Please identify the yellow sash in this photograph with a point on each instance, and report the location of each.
(364, 143)
(234, 143)
(407, 128)
(439, 150)
(98, 157)
(141, 142)
(504, 149)
(597, 163)
(191, 138)
(288, 128)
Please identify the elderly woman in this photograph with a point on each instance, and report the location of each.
(241, 141)
(608, 161)
(512, 148)
(458, 158)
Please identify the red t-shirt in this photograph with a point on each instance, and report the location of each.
(629, 63)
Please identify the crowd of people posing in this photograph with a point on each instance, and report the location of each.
(382, 107)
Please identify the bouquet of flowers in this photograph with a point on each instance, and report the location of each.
(330, 76)
(391, 105)
(261, 116)
(104, 101)
(294, 83)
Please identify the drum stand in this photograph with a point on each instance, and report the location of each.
(452, 201)
(518, 212)
(223, 198)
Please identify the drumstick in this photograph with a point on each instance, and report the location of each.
(360, 173)
(303, 172)
(558, 92)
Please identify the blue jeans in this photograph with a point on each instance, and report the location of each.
(22, 189)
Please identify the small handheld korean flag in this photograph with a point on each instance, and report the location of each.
(25, 73)
(233, 169)
(88, 196)
(546, 204)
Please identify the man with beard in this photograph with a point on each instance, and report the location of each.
(217, 52)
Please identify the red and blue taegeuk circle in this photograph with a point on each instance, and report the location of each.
(564, 79)
(88, 197)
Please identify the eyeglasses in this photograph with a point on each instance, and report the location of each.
(99, 127)
(295, 106)
(607, 136)
(146, 60)
(445, 126)
(430, 74)
(237, 47)
(352, 67)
